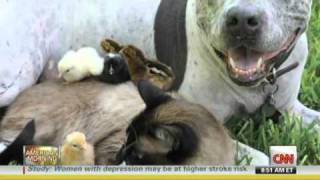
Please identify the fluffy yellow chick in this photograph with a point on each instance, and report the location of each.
(76, 150)
(76, 65)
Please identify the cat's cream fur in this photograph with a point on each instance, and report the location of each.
(101, 111)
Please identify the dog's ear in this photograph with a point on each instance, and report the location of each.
(180, 139)
(14, 152)
(152, 95)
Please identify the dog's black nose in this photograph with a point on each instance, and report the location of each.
(244, 20)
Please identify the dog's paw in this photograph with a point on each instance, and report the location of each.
(249, 156)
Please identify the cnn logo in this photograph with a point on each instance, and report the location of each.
(283, 158)
(283, 155)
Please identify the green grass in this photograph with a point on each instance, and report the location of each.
(260, 133)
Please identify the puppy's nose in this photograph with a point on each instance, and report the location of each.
(244, 20)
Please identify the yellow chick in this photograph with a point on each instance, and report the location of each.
(77, 65)
(76, 150)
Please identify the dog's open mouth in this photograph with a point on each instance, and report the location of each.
(247, 67)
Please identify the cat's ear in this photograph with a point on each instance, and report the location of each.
(180, 139)
(152, 95)
(14, 152)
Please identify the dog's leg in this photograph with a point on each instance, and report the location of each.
(258, 158)
(308, 115)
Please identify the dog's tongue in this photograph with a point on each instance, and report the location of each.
(244, 58)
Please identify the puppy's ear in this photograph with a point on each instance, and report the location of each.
(180, 138)
(152, 95)
(15, 150)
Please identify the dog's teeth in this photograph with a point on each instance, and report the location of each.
(232, 63)
(260, 61)
(253, 70)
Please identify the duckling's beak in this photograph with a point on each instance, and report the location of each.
(83, 147)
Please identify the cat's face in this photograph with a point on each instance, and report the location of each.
(165, 133)
(158, 144)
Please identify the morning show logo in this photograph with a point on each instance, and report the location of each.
(283, 155)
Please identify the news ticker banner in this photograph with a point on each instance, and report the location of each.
(51, 156)
(157, 170)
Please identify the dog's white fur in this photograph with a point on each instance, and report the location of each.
(207, 81)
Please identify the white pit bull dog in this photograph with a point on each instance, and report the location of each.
(222, 51)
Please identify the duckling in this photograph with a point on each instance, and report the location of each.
(77, 65)
(110, 46)
(76, 150)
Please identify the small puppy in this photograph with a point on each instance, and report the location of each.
(115, 69)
